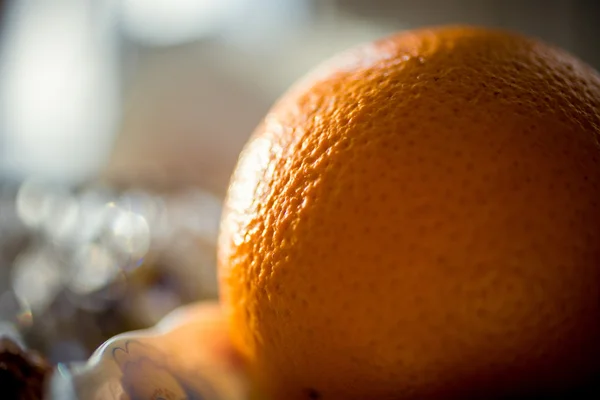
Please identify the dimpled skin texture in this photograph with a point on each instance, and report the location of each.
(420, 219)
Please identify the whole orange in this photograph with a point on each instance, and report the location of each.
(420, 218)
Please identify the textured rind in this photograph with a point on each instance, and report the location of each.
(420, 218)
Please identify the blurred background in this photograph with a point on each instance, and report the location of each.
(121, 121)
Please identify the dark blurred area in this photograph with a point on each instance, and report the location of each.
(121, 121)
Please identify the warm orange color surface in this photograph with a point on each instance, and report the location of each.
(420, 218)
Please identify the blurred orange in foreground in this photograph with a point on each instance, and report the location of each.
(420, 218)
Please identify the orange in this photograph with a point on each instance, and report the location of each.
(420, 218)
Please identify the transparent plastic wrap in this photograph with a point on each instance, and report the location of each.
(186, 356)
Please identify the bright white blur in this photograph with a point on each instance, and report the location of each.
(59, 97)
